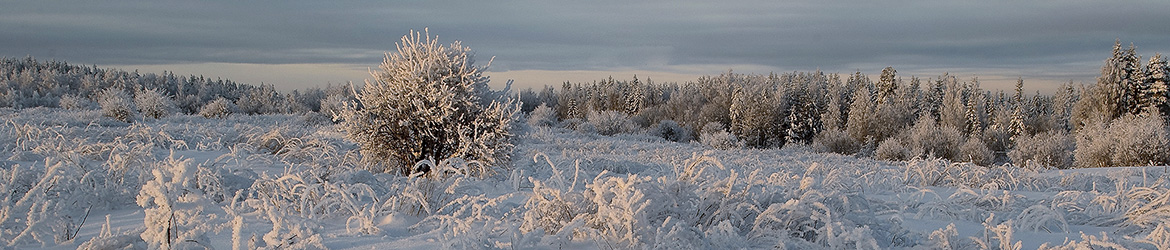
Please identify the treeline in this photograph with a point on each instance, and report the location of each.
(25, 83)
(1119, 121)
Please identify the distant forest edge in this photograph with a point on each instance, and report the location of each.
(1119, 121)
(26, 83)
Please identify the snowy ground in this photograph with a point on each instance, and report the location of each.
(77, 180)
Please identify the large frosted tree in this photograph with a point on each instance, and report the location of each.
(430, 102)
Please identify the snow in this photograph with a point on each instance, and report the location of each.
(277, 181)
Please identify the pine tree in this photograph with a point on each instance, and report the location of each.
(887, 85)
(635, 97)
(1017, 127)
(754, 116)
(1157, 82)
(934, 98)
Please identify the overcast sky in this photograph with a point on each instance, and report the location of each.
(295, 44)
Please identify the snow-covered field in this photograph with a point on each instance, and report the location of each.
(76, 179)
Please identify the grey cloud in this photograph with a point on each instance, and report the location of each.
(1037, 37)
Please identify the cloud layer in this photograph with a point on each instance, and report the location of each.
(1053, 40)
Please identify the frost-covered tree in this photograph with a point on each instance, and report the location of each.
(1140, 141)
(927, 139)
(1052, 148)
(1017, 126)
(117, 104)
(1116, 91)
(975, 151)
(430, 102)
(671, 131)
(153, 104)
(1156, 79)
(715, 136)
(609, 122)
(754, 117)
(862, 118)
(219, 108)
(887, 84)
(1063, 102)
(75, 102)
(542, 116)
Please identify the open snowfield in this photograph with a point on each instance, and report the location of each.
(78, 180)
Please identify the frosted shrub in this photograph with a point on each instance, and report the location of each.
(542, 116)
(175, 207)
(219, 108)
(153, 104)
(671, 131)
(74, 102)
(714, 136)
(609, 122)
(930, 140)
(1094, 147)
(975, 151)
(1128, 141)
(892, 150)
(836, 141)
(430, 101)
(1052, 148)
(116, 104)
(1140, 141)
(333, 105)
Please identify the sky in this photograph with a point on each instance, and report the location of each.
(297, 44)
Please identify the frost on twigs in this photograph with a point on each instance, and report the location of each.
(430, 101)
(219, 108)
(116, 104)
(178, 214)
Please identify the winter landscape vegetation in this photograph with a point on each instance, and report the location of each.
(426, 155)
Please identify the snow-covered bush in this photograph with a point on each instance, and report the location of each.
(975, 151)
(671, 131)
(153, 104)
(178, 214)
(75, 102)
(430, 101)
(609, 122)
(892, 150)
(542, 116)
(1140, 141)
(836, 141)
(219, 108)
(716, 137)
(333, 105)
(929, 140)
(117, 104)
(1052, 148)
(1094, 145)
(1127, 141)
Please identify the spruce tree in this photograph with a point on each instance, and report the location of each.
(1157, 82)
